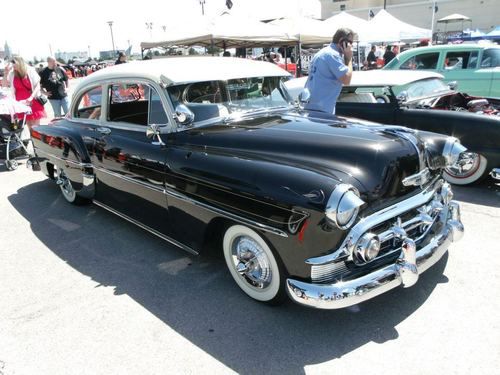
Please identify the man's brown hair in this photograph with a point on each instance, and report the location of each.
(342, 33)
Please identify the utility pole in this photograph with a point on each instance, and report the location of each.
(385, 3)
(149, 26)
(202, 3)
(110, 23)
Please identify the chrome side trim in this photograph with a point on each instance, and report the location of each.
(65, 160)
(240, 219)
(145, 227)
(128, 179)
(378, 217)
(219, 211)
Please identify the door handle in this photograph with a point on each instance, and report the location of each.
(104, 131)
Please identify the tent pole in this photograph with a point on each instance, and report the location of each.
(359, 57)
(286, 65)
(299, 60)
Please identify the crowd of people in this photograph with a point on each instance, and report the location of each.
(380, 56)
(35, 86)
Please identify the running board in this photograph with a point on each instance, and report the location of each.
(145, 227)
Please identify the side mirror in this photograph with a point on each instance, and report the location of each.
(184, 115)
(453, 85)
(152, 131)
(402, 97)
(304, 96)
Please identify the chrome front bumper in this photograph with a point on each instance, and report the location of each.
(404, 272)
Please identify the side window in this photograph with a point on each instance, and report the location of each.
(460, 60)
(421, 61)
(128, 102)
(491, 58)
(89, 105)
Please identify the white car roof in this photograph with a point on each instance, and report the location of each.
(179, 70)
(390, 77)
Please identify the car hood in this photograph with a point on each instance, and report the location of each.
(373, 158)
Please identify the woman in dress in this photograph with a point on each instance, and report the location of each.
(24, 82)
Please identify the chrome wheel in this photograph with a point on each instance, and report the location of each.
(251, 263)
(469, 168)
(66, 188)
(11, 164)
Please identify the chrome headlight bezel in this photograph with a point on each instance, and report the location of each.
(344, 201)
(452, 150)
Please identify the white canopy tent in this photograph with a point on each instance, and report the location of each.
(384, 27)
(306, 30)
(224, 31)
(356, 24)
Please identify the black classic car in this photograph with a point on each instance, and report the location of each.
(422, 100)
(331, 211)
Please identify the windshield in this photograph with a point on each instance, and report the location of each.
(213, 99)
(423, 88)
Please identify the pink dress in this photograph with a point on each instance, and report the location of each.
(23, 92)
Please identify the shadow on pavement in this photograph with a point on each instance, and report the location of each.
(485, 193)
(197, 297)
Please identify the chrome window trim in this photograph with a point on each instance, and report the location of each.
(105, 83)
(73, 105)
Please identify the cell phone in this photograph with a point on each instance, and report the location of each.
(344, 44)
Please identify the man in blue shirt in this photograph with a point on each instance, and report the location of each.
(330, 68)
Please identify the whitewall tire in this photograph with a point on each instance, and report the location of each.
(253, 265)
(470, 168)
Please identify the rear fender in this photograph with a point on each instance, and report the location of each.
(63, 148)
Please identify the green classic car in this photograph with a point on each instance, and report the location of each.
(476, 68)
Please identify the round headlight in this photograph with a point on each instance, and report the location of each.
(343, 206)
(367, 247)
(452, 150)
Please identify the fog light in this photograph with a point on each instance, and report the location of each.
(367, 247)
(446, 193)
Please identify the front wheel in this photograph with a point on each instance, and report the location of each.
(253, 265)
(470, 168)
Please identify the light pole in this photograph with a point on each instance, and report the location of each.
(110, 23)
(149, 26)
(202, 3)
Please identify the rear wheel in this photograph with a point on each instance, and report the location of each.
(253, 265)
(470, 168)
(67, 190)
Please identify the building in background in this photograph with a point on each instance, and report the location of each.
(483, 13)
(66, 56)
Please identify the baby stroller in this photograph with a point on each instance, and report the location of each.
(12, 123)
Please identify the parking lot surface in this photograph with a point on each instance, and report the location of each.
(85, 292)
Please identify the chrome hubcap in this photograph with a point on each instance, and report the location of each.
(251, 262)
(65, 184)
(467, 164)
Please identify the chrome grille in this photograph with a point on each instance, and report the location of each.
(328, 272)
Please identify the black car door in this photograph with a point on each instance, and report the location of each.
(368, 104)
(130, 169)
